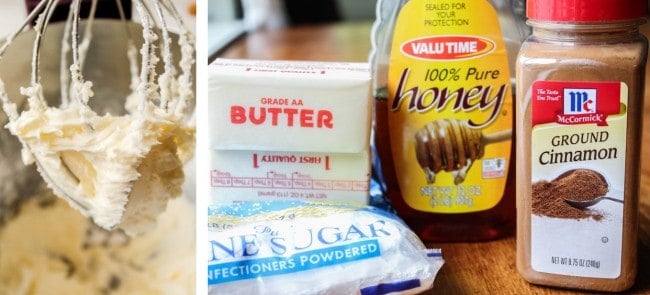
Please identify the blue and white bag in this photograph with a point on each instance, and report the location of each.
(296, 247)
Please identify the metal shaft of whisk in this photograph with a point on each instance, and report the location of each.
(76, 6)
(30, 18)
(36, 101)
(173, 100)
(167, 76)
(147, 74)
(64, 68)
(178, 106)
(88, 34)
(131, 50)
(73, 14)
(75, 69)
(41, 27)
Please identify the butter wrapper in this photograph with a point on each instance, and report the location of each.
(258, 175)
(289, 106)
(289, 130)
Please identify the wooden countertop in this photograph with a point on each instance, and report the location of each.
(470, 268)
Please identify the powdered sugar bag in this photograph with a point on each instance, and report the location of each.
(296, 247)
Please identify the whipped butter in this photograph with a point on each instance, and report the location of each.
(118, 169)
(289, 130)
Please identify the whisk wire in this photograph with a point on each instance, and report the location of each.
(63, 143)
(88, 34)
(37, 101)
(147, 87)
(30, 18)
(167, 77)
(63, 67)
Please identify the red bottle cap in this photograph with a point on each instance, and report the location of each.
(586, 10)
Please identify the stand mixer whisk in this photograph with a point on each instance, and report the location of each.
(118, 170)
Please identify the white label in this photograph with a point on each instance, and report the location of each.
(289, 106)
(578, 151)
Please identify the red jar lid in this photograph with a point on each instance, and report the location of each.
(586, 10)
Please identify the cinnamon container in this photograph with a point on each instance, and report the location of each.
(580, 84)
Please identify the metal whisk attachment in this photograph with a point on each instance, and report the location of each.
(97, 161)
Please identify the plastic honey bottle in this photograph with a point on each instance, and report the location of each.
(443, 86)
(580, 78)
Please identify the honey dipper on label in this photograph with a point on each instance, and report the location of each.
(452, 145)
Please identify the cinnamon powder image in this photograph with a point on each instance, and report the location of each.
(548, 198)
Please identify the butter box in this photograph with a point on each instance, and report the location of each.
(289, 130)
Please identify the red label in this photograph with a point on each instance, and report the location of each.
(447, 47)
(574, 103)
(282, 117)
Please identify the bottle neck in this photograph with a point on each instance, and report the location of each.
(610, 32)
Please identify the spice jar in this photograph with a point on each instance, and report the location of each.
(580, 79)
(443, 73)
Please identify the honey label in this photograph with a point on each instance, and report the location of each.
(449, 92)
(577, 159)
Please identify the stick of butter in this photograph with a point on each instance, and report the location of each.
(289, 130)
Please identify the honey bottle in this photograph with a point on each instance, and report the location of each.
(443, 74)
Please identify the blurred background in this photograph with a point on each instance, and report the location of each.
(14, 12)
(228, 19)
